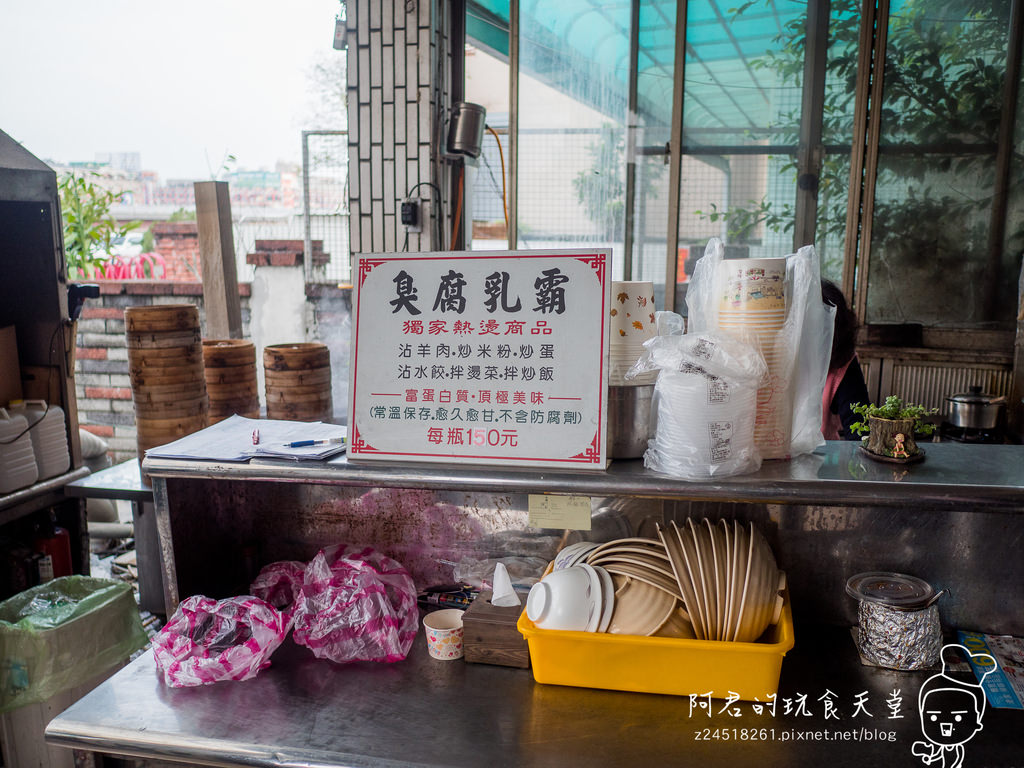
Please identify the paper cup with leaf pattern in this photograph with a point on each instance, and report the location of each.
(632, 312)
(444, 633)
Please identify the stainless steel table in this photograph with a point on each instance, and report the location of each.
(124, 482)
(421, 712)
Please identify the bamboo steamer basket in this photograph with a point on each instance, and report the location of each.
(165, 362)
(298, 382)
(148, 376)
(296, 357)
(230, 369)
(175, 409)
(298, 378)
(161, 318)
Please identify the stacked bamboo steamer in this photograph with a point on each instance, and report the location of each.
(165, 361)
(298, 382)
(230, 368)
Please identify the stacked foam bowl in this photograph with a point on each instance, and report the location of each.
(704, 580)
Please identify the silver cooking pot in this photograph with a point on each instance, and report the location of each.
(974, 409)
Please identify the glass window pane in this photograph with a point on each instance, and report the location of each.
(655, 64)
(487, 85)
(572, 108)
(743, 72)
(945, 66)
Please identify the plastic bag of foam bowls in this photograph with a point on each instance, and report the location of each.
(705, 402)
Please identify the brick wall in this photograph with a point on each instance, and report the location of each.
(102, 383)
(178, 243)
(393, 105)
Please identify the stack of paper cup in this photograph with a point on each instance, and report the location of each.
(631, 323)
(754, 300)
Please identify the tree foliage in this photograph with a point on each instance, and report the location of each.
(89, 227)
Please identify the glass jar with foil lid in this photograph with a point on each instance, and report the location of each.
(898, 620)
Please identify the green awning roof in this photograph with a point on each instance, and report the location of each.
(582, 48)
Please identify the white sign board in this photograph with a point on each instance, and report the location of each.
(491, 357)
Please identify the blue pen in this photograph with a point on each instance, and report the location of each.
(304, 443)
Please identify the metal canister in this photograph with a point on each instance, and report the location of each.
(898, 620)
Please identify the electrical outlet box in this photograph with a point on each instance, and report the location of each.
(411, 215)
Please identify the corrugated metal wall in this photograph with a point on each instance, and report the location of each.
(931, 384)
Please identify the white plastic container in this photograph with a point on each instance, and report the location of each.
(17, 458)
(49, 436)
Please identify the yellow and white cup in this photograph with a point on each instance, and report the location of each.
(753, 285)
(444, 634)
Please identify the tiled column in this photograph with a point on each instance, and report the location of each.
(397, 53)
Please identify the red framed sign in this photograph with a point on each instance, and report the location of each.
(490, 357)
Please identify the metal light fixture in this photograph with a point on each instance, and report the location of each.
(466, 129)
(340, 34)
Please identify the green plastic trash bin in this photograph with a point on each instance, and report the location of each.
(56, 641)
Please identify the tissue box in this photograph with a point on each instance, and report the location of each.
(490, 635)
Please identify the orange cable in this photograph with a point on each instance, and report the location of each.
(458, 208)
(501, 155)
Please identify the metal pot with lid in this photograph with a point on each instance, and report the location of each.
(975, 409)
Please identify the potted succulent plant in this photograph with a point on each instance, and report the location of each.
(890, 428)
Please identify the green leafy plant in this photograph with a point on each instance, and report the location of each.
(894, 409)
(89, 228)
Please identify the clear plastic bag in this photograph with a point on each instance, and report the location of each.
(801, 349)
(705, 400)
(356, 605)
(279, 584)
(207, 640)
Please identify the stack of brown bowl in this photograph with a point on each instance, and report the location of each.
(230, 366)
(298, 382)
(165, 362)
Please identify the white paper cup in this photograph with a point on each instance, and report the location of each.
(444, 633)
(632, 311)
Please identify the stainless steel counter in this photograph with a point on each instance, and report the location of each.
(838, 474)
(421, 712)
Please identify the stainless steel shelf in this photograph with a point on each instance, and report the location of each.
(952, 476)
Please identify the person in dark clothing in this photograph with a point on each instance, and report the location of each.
(844, 385)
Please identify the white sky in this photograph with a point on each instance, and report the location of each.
(183, 83)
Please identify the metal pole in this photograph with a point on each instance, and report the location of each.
(810, 151)
(307, 241)
(871, 158)
(457, 44)
(631, 128)
(513, 124)
(1004, 155)
(675, 158)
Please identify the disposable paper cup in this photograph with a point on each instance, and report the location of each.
(444, 633)
(753, 284)
(632, 311)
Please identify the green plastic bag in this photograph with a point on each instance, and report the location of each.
(63, 633)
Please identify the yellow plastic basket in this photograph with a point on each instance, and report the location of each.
(661, 664)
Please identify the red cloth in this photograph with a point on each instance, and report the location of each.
(830, 423)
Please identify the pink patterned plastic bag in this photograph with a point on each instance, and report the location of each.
(279, 584)
(356, 605)
(207, 640)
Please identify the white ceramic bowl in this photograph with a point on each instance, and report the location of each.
(564, 600)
